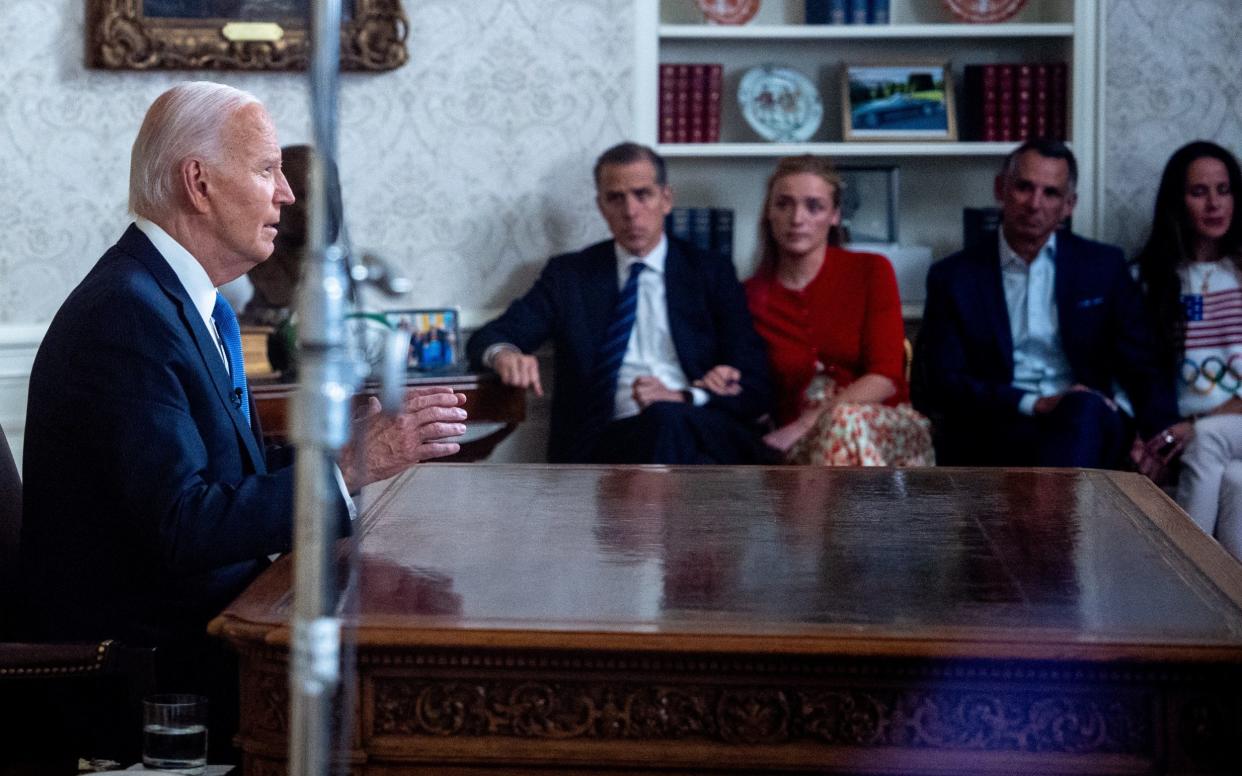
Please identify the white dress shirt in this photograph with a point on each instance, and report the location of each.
(1039, 364)
(193, 277)
(650, 350)
(202, 294)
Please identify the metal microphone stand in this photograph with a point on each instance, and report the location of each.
(321, 415)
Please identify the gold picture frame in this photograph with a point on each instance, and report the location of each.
(215, 35)
(904, 102)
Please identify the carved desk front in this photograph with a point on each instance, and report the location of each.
(607, 620)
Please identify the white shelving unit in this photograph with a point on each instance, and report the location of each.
(937, 179)
(863, 32)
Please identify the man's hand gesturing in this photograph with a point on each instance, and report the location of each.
(383, 446)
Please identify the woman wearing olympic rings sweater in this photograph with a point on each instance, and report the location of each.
(1191, 272)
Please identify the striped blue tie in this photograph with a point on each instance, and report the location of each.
(230, 337)
(616, 340)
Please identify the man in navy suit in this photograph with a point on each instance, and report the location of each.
(1027, 337)
(150, 501)
(691, 375)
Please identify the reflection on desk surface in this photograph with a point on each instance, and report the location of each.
(968, 562)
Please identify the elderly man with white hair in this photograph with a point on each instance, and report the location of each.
(150, 500)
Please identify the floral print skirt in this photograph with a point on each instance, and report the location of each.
(864, 435)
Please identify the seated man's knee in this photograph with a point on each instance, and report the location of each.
(1084, 430)
(670, 430)
(664, 412)
(1085, 406)
(1089, 412)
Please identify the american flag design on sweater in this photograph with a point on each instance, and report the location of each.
(1212, 366)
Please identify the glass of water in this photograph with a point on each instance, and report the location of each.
(174, 733)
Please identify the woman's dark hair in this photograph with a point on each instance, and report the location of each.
(1171, 245)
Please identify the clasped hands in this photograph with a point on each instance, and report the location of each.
(1152, 457)
(649, 389)
(721, 379)
(522, 371)
(382, 446)
(1046, 404)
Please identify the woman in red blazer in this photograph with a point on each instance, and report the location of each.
(832, 322)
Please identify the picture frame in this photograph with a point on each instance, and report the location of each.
(237, 35)
(435, 337)
(912, 102)
(869, 202)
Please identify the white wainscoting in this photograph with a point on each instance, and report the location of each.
(18, 344)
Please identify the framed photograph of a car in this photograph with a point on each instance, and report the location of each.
(897, 102)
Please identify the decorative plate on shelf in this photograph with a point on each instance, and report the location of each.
(780, 103)
(984, 10)
(729, 11)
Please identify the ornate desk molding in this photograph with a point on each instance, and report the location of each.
(447, 682)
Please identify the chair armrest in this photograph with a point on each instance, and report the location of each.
(61, 659)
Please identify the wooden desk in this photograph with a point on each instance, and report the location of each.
(488, 401)
(939, 621)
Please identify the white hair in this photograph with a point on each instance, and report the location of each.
(187, 120)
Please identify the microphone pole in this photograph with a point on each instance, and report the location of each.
(320, 425)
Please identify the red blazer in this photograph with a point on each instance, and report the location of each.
(848, 318)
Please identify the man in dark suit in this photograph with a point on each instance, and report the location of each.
(656, 359)
(1027, 337)
(150, 501)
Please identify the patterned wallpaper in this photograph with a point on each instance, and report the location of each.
(467, 167)
(1171, 77)
(472, 164)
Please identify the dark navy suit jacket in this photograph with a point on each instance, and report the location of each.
(964, 358)
(149, 503)
(571, 304)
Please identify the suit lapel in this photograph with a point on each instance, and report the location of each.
(599, 294)
(136, 244)
(1067, 293)
(1065, 282)
(678, 280)
(990, 291)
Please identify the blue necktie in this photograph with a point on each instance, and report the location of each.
(616, 340)
(230, 337)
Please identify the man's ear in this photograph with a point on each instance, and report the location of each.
(1071, 200)
(194, 184)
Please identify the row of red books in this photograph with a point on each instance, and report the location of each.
(1004, 102)
(690, 102)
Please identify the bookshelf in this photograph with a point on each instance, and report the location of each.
(937, 178)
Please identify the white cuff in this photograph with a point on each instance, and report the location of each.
(490, 354)
(349, 500)
(1027, 405)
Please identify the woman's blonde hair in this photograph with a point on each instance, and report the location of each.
(819, 166)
